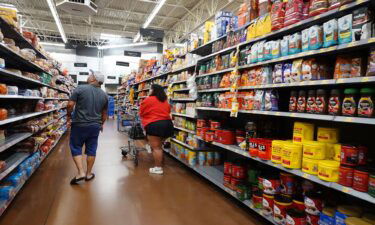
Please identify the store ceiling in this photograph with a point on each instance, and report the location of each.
(120, 17)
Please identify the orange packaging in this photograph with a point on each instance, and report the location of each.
(222, 101)
(248, 101)
(240, 100)
(343, 67)
(356, 67)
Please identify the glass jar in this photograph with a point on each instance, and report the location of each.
(321, 102)
(293, 101)
(301, 103)
(334, 104)
(366, 103)
(349, 104)
(310, 103)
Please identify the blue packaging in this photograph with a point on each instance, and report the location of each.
(261, 51)
(326, 219)
(276, 50)
(295, 43)
(14, 179)
(284, 46)
(305, 40)
(6, 192)
(345, 25)
(268, 50)
(315, 37)
(330, 33)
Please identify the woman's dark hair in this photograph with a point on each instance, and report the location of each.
(158, 92)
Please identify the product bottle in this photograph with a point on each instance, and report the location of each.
(366, 103)
(349, 104)
(251, 132)
(321, 102)
(301, 103)
(334, 104)
(311, 101)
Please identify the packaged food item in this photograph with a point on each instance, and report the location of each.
(281, 204)
(295, 43)
(277, 15)
(313, 203)
(318, 7)
(284, 46)
(2, 63)
(287, 184)
(297, 70)
(295, 217)
(343, 67)
(261, 51)
(328, 170)
(362, 24)
(328, 135)
(360, 179)
(315, 37)
(349, 155)
(366, 102)
(268, 50)
(337, 152)
(268, 201)
(321, 102)
(333, 4)
(259, 100)
(330, 33)
(293, 101)
(371, 63)
(292, 155)
(327, 217)
(271, 100)
(276, 49)
(314, 150)
(310, 69)
(287, 72)
(334, 104)
(345, 29)
(356, 67)
(346, 176)
(305, 39)
(254, 53)
(293, 12)
(303, 132)
(301, 101)
(277, 75)
(264, 7)
(357, 221)
(349, 103)
(345, 211)
(3, 114)
(310, 103)
(310, 166)
(3, 89)
(12, 90)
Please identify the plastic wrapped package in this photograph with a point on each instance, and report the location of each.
(276, 49)
(3, 89)
(342, 67)
(295, 43)
(287, 72)
(29, 54)
(268, 50)
(254, 10)
(330, 33)
(284, 45)
(371, 63)
(345, 29)
(305, 40)
(39, 106)
(266, 75)
(333, 4)
(296, 71)
(362, 24)
(277, 15)
(259, 100)
(12, 90)
(293, 12)
(254, 53)
(3, 114)
(27, 92)
(309, 70)
(356, 67)
(277, 75)
(264, 7)
(271, 100)
(315, 37)
(261, 51)
(318, 7)
(9, 42)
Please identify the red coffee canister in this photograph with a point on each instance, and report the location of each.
(349, 155)
(217, 135)
(361, 179)
(287, 184)
(228, 168)
(346, 176)
(215, 125)
(281, 204)
(209, 137)
(362, 155)
(258, 200)
(227, 181)
(271, 184)
(265, 149)
(234, 183)
(295, 217)
(201, 123)
(238, 171)
(312, 219)
(253, 147)
(204, 131)
(267, 209)
(298, 202)
(199, 132)
(227, 137)
(313, 203)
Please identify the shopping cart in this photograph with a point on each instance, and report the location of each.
(134, 132)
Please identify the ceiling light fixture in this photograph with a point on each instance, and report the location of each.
(104, 35)
(52, 7)
(153, 13)
(52, 44)
(123, 45)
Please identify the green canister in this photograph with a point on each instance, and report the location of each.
(242, 192)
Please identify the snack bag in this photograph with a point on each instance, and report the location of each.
(261, 51)
(345, 29)
(315, 37)
(277, 15)
(309, 70)
(371, 63)
(318, 7)
(254, 53)
(271, 100)
(356, 68)
(305, 40)
(333, 4)
(277, 75)
(276, 49)
(297, 70)
(284, 45)
(330, 33)
(287, 72)
(259, 100)
(293, 12)
(362, 24)
(268, 50)
(295, 43)
(266, 76)
(342, 67)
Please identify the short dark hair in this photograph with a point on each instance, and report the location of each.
(158, 92)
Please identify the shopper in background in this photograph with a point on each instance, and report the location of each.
(155, 116)
(90, 104)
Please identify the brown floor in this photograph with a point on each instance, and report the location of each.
(121, 194)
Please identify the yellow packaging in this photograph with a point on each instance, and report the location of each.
(303, 132)
(277, 147)
(314, 150)
(310, 166)
(356, 221)
(330, 151)
(328, 170)
(292, 155)
(337, 150)
(328, 135)
(251, 32)
(12, 13)
(368, 217)
(350, 210)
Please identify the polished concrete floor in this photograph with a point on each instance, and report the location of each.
(121, 194)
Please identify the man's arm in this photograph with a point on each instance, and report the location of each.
(70, 108)
(104, 115)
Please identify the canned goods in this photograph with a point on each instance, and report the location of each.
(238, 171)
(287, 183)
(371, 185)
(210, 158)
(234, 183)
(242, 192)
(215, 125)
(268, 201)
(281, 204)
(314, 150)
(201, 158)
(349, 155)
(310, 166)
(292, 155)
(328, 170)
(271, 185)
(337, 154)
(258, 200)
(228, 168)
(362, 155)
(346, 176)
(361, 179)
(201, 123)
(227, 181)
(312, 219)
(298, 202)
(313, 203)
(328, 135)
(265, 148)
(277, 147)
(295, 217)
(209, 136)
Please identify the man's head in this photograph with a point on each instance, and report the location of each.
(96, 78)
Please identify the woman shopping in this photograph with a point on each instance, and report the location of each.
(155, 116)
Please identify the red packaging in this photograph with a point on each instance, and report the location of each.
(240, 139)
(305, 10)
(267, 209)
(215, 125)
(312, 219)
(287, 183)
(346, 176)
(293, 12)
(333, 4)
(277, 15)
(217, 135)
(238, 171)
(318, 7)
(360, 179)
(281, 204)
(313, 203)
(228, 168)
(209, 136)
(271, 185)
(349, 155)
(227, 137)
(253, 147)
(201, 123)
(362, 155)
(295, 217)
(265, 149)
(258, 200)
(234, 183)
(298, 203)
(199, 132)
(227, 180)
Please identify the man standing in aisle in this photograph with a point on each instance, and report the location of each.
(89, 103)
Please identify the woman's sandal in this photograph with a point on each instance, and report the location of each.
(76, 180)
(90, 178)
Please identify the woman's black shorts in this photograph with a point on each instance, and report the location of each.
(161, 128)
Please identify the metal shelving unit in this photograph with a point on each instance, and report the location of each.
(12, 140)
(25, 116)
(184, 129)
(12, 162)
(184, 115)
(217, 72)
(183, 144)
(183, 99)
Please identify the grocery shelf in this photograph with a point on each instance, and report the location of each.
(215, 175)
(12, 162)
(214, 90)
(217, 72)
(213, 109)
(323, 51)
(179, 82)
(299, 173)
(19, 97)
(183, 144)
(218, 53)
(25, 116)
(184, 115)
(182, 90)
(183, 99)
(186, 130)
(183, 68)
(12, 140)
(203, 49)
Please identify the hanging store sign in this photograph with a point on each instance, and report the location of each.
(132, 54)
(80, 64)
(84, 73)
(112, 77)
(126, 64)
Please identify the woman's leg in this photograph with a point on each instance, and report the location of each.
(157, 149)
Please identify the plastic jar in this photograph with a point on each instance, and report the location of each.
(292, 155)
(287, 183)
(277, 147)
(295, 217)
(328, 170)
(349, 155)
(356, 221)
(327, 217)
(346, 176)
(310, 103)
(361, 179)
(371, 184)
(349, 104)
(310, 166)
(268, 201)
(314, 150)
(303, 132)
(281, 204)
(366, 102)
(328, 135)
(293, 101)
(321, 102)
(345, 211)
(301, 102)
(334, 103)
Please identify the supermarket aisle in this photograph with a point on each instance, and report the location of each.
(121, 194)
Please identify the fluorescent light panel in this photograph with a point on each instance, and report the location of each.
(52, 7)
(153, 13)
(52, 44)
(104, 35)
(123, 45)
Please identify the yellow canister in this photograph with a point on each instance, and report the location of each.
(330, 151)
(368, 217)
(337, 149)
(277, 147)
(356, 221)
(328, 135)
(328, 170)
(350, 210)
(303, 132)
(310, 166)
(314, 150)
(292, 155)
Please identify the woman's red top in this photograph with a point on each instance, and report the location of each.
(153, 110)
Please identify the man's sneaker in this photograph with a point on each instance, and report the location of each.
(148, 148)
(156, 170)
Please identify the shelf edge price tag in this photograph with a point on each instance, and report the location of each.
(345, 190)
(305, 175)
(365, 79)
(349, 119)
